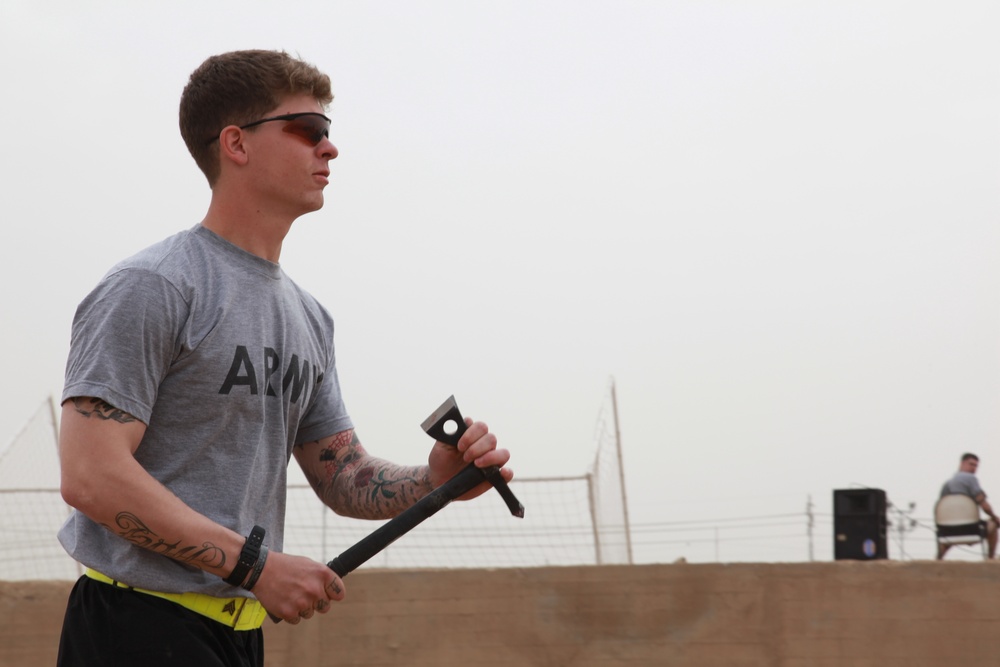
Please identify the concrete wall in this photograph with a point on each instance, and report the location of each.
(769, 615)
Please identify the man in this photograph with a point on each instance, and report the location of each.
(197, 368)
(964, 482)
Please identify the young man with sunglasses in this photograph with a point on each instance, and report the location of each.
(197, 368)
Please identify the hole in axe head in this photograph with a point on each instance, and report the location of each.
(445, 424)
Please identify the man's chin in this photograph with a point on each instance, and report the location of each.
(314, 203)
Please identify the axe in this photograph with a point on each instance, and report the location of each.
(438, 426)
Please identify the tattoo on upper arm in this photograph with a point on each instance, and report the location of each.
(336, 467)
(96, 407)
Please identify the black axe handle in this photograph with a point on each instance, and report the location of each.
(467, 479)
(464, 481)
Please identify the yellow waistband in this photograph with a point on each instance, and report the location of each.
(239, 613)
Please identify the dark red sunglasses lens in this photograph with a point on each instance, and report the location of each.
(311, 128)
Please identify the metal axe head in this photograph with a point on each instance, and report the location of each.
(438, 426)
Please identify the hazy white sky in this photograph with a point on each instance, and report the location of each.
(774, 223)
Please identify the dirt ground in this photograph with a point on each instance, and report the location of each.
(845, 613)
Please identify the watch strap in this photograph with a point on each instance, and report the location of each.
(248, 557)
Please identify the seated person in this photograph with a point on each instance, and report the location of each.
(964, 482)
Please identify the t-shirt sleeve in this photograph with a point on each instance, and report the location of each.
(125, 337)
(327, 415)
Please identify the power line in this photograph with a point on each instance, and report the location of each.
(724, 520)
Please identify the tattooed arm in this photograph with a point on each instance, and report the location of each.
(353, 483)
(102, 479)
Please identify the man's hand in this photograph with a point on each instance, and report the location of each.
(477, 445)
(987, 508)
(293, 588)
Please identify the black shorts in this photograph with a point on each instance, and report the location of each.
(106, 626)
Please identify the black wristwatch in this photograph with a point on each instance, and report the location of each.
(248, 557)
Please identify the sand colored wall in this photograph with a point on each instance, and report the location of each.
(769, 615)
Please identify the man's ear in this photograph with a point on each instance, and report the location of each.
(231, 146)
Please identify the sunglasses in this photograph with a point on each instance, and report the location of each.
(311, 126)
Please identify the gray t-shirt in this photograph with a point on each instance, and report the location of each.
(229, 364)
(964, 483)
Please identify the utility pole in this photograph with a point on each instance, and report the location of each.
(810, 522)
(621, 472)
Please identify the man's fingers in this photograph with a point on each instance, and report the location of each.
(495, 457)
(335, 589)
(476, 438)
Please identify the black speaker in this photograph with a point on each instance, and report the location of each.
(859, 524)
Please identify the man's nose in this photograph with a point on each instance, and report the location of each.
(328, 150)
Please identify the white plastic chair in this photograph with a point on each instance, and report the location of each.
(956, 518)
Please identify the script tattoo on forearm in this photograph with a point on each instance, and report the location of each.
(101, 409)
(133, 529)
(366, 487)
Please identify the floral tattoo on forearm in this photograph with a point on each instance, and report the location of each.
(362, 486)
